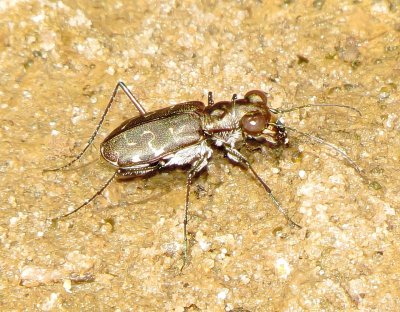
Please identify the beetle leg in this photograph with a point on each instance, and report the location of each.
(196, 168)
(236, 156)
(210, 99)
(116, 173)
(119, 174)
(136, 172)
(129, 94)
(135, 102)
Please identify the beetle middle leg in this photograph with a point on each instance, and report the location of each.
(237, 157)
(196, 168)
(134, 101)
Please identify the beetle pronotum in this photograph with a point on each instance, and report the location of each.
(184, 134)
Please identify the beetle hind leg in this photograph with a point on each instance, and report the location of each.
(135, 102)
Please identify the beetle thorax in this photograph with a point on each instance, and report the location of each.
(222, 126)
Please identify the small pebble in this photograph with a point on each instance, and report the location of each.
(222, 294)
(67, 285)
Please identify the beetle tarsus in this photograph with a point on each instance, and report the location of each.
(86, 202)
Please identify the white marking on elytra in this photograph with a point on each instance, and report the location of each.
(127, 140)
(156, 151)
(135, 158)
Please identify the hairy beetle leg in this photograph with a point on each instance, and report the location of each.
(236, 156)
(134, 101)
(196, 168)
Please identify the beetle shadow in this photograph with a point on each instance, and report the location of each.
(162, 182)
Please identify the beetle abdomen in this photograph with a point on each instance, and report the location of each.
(152, 140)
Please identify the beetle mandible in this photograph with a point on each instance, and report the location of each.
(185, 134)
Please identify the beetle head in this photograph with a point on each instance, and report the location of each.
(251, 115)
(258, 123)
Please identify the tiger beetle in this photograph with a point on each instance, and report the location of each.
(187, 134)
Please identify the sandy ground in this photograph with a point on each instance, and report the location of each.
(59, 62)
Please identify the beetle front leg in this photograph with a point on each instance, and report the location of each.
(237, 157)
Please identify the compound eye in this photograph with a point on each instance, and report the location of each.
(253, 123)
(256, 96)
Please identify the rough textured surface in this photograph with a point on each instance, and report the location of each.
(59, 62)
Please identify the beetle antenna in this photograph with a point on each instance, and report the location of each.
(90, 199)
(281, 111)
(332, 146)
